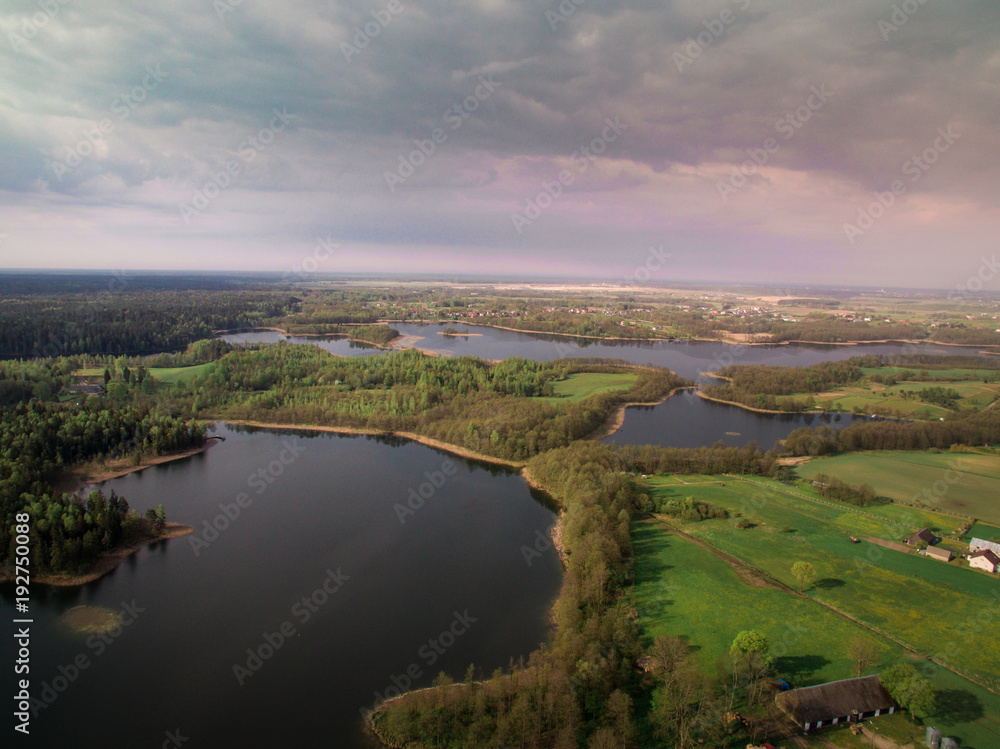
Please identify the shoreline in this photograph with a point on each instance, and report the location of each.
(86, 476)
(617, 419)
(108, 561)
(751, 408)
(462, 452)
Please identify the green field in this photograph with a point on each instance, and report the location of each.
(170, 375)
(585, 384)
(683, 589)
(963, 483)
(893, 592)
(868, 397)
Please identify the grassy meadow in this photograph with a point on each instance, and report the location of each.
(928, 605)
(963, 483)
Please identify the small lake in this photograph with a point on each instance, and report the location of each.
(338, 345)
(321, 511)
(685, 420)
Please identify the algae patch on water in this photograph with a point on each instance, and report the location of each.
(91, 619)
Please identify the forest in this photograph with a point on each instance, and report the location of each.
(40, 439)
(504, 410)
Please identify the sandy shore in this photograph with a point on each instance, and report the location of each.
(429, 441)
(113, 469)
(746, 408)
(615, 421)
(107, 561)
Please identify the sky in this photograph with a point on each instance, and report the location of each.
(801, 141)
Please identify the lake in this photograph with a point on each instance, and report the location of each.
(684, 420)
(408, 593)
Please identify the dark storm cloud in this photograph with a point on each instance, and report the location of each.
(515, 89)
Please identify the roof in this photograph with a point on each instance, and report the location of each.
(924, 534)
(978, 543)
(986, 554)
(938, 553)
(836, 699)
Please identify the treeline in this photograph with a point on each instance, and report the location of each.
(981, 428)
(760, 386)
(688, 509)
(39, 440)
(967, 336)
(834, 330)
(488, 408)
(578, 686)
(829, 487)
(380, 335)
(127, 322)
(587, 687)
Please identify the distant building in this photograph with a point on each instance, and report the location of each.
(977, 544)
(925, 535)
(984, 559)
(845, 701)
(935, 552)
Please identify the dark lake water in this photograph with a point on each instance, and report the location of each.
(685, 420)
(338, 345)
(407, 592)
(682, 421)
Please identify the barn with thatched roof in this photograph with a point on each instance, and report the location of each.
(845, 701)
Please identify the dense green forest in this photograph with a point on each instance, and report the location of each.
(505, 410)
(39, 439)
(127, 322)
(982, 428)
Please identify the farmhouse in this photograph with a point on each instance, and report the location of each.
(984, 559)
(977, 544)
(845, 701)
(937, 553)
(925, 535)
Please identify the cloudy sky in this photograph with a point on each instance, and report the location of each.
(742, 140)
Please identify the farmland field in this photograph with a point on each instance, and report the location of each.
(963, 483)
(884, 589)
(683, 589)
(869, 396)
